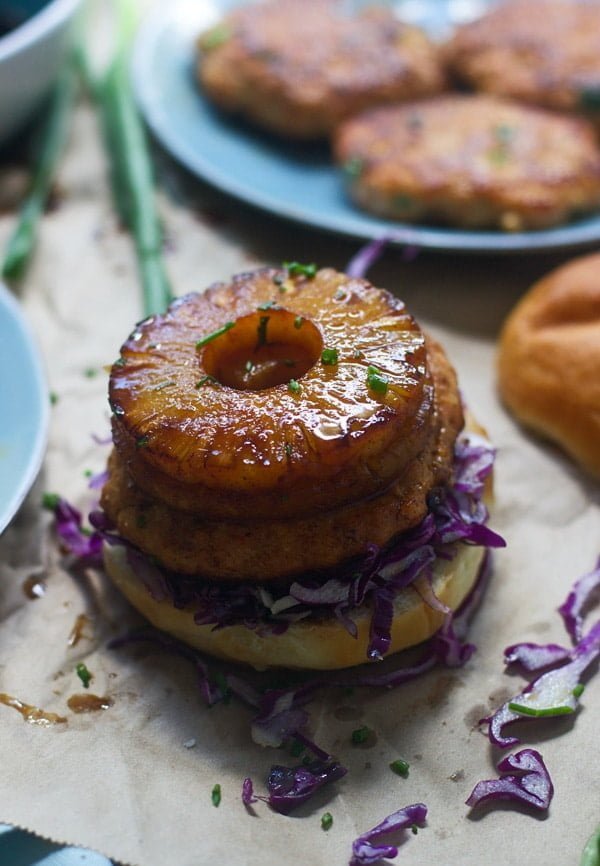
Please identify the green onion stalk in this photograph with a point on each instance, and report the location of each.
(53, 137)
(132, 178)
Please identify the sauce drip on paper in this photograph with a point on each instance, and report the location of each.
(82, 703)
(31, 714)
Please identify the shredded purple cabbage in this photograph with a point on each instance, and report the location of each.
(533, 657)
(86, 546)
(248, 797)
(360, 264)
(581, 595)
(553, 693)
(364, 852)
(529, 782)
(456, 514)
(290, 787)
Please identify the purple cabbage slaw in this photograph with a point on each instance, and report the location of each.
(529, 782)
(456, 514)
(366, 850)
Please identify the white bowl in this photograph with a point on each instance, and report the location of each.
(30, 58)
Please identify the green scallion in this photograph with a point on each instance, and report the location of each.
(329, 357)
(376, 381)
(50, 501)
(296, 269)
(327, 821)
(83, 674)
(215, 794)
(214, 334)
(294, 387)
(360, 735)
(400, 767)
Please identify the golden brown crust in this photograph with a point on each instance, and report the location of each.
(227, 448)
(471, 161)
(549, 359)
(307, 644)
(544, 52)
(298, 67)
(268, 549)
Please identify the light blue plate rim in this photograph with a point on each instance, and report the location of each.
(270, 174)
(25, 407)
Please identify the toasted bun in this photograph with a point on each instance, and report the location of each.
(322, 644)
(549, 359)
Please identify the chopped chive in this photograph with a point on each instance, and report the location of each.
(546, 711)
(120, 362)
(53, 398)
(326, 821)
(51, 501)
(269, 305)
(164, 385)
(206, 380)
(294, 387)
(353, 167)
(414, 829)
(329, 357)
(298, 322)
(90, 372)
(213, 336)
(296, 749)
(262, 331)
(295, 269)
(376, 381)
(215, 37)
(578, 690)
(221, 681)
(141, 442)
(400, 767)
(87, 473)
(215, 794)
(83, 674)
(360, 735)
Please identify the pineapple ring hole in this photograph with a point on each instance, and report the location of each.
(263, 349)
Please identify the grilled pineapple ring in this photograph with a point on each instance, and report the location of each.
(274, 394)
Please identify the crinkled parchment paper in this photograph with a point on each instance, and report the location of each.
(122, 780)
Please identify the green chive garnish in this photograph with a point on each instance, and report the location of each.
(376, 381)
(329, 357)
(120, 362)
(578, 690)
(353, 167)
(141, 442)
(327, 821)
(295, 269)
(214, 37)
(298, 322)
(269, 305)
(414, 829)
(400, 767)
(90, 372)
(53, 398)
(206, 380)
(83, 674)
(262, 331)
(218, 333)
(51, 501)
(360, 735)
(215, 794)
(294, 387)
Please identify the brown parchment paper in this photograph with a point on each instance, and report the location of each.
(123, 781)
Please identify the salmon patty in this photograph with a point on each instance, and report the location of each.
(470, 160)
(299, 67)
(543, 52)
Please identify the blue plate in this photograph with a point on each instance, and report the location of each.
(18, 848)
(294, 181)
(25, 405)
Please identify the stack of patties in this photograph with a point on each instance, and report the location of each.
(290, 484)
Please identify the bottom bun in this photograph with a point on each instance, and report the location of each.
(317, 644)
